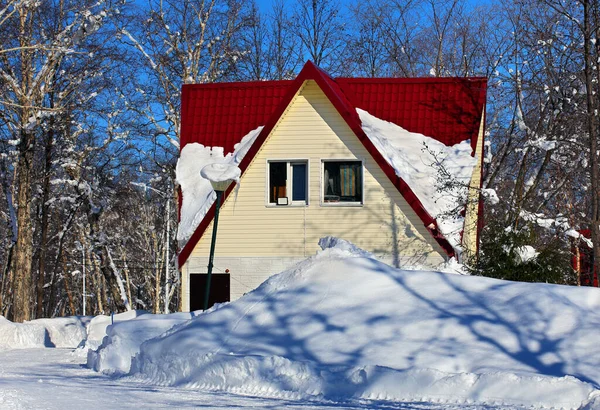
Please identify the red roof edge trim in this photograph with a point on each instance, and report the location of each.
(208, 218)
(235, 84)
(272, 121)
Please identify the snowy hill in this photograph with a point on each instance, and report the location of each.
(342, 325)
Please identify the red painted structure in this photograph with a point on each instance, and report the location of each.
(447, 109)
(582, 260)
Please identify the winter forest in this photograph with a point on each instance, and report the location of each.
(89, 122)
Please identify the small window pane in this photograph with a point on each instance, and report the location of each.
(277, 181)
(342, 181)
(299, 182)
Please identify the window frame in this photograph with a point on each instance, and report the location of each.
(323, 203)
(289, 185)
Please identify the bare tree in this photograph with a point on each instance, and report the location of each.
(32, 53)
(321, 27)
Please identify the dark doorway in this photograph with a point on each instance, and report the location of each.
(219, 290)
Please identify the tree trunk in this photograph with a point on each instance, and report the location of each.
(24, 248)
(67, 284)
(44, 228)
(97, 282)
(592, 130)
(126, 271)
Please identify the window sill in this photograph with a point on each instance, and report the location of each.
(286, 206)
(342, 204)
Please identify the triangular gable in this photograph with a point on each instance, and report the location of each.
(346, 109)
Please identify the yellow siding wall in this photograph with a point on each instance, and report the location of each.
(312, 129)
(472, 212)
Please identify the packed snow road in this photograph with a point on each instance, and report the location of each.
(58, 379)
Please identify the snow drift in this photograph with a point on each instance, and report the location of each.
(65, 332)
(97, 327)
(21, 335)
(342, 325)
(123, 339)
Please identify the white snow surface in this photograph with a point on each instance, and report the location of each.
(439, 175)
(344, 326)
(54, 379)
(67, 332)
(491, 195)
(572, 233)
(197, 193)
(123, 340)
(526, 253)
(97, 327)
(21, 335)
(339, 330)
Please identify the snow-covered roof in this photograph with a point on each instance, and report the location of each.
(197, 193)
(391, 117)
(426, 165)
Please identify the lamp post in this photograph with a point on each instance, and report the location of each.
(220, 177)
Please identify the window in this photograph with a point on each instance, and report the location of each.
(342, 182)
(288, 182)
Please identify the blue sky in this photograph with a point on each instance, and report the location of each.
(266, 5)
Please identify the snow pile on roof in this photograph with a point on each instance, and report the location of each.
(123, 340)
(438, 175)
(344, 326)
(197, 193)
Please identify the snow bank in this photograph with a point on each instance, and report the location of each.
(65, 332)
(97, 327)
(342, 325)
(278, 377)
(197, 193)
(22, 335)
(124, 337)
(438, 175)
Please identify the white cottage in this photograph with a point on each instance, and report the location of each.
(360, 159)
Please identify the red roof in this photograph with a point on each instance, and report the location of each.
(447, 109)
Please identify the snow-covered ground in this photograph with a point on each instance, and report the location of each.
(339, 330)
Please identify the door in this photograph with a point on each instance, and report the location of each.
(219, 289)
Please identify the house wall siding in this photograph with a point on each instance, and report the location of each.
(311, 129)
(472, 216)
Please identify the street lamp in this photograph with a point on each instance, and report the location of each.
(220, 177)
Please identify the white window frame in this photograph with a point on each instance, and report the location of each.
(322, 183)
(289, 162)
